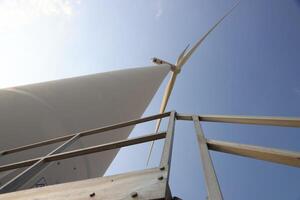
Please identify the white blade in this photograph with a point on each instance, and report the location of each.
(167, 93)
(61, 107)
(182, 54)
(164, 102)
(183, 60)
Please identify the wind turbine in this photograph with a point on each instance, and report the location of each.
(176, 69)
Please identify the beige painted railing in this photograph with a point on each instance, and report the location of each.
(214, 192)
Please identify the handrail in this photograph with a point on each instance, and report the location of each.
(258, 120)
(85, 133)
(261, 120)
(275, 155)
(83, 151)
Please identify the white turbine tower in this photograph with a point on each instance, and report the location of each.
(176, 69)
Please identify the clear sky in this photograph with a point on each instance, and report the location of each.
(248, 66)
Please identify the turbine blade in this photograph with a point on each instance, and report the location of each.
(167, 93)
(182, 54)
(184, 59)
(163, 106)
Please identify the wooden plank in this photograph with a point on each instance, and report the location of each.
(93, 149)
(272, 121)
(213, 188)
(262, 153)
(85, 133)
(168, 146)
(145, 184)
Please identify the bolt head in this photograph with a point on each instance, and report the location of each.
(134, 194)
(160, 178)
(92, 194)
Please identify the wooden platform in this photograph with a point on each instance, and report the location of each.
(146, 184)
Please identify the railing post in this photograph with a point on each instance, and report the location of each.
(212, 185)
(27, 174)
(167, 151)
(165, 163)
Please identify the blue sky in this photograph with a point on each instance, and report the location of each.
(248, 66)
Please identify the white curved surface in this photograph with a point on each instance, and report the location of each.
(42, 111)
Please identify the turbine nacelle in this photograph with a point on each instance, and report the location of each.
(160, 62)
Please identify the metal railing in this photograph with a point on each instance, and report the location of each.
(214, 192)
(256, 152)
(37, 164)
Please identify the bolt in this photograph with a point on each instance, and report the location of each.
(92, 194)
(162, 168)
(134, 194)
(160, 178)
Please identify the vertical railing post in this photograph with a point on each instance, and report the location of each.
(27, 174)
(165, 163)
(168, 145)
(212, 185)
